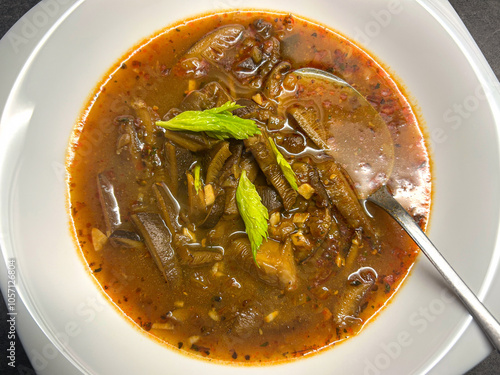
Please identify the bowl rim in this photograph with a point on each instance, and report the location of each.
(439, 11)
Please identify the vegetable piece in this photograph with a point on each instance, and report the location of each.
(253, 212)
(213, 44)
(270, 198)
(230, 206)
(349, 304)
(273, 85)
(98, 239)
(236, 149)
(214, 212)
(209, 193)
(356, 244)
(178, 160)
(217, 122)
(109, 204)
(274, 263)
(344, 198)
(217, 163)
(193, 254)
(310, 184)
(192, 141)
(196, 201)
(168, 205)
(165, 326)
(319, 223)
(306, 118)
(158, 241)
(284, 165)
(270, 317)
(129, 139)
(145, 114)
(277, 264)
(247, 320)
(197, 178)
(249, 164)
(261, 150)
(210, 96)
(306, 190)
(126, 238)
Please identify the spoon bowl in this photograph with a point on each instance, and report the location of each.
(369, 165)
(347, 126)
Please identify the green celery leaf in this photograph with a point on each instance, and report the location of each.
(197, 178)
(217, 122)
(284, 165)
(253, 212)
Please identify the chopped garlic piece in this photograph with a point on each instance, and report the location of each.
(214, 315)
(188, 233)
(179, 304)
(306, 190)
(98, 239)
(300, 217)
(257, 98)
(339, 261)
(192, 85)
(209, 195)
(270, 317)
(168, 326)
(217, 269)
(299, 239)
(275, 218)
(193, 339)
(327, 314)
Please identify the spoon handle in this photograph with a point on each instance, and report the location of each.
(482, 316)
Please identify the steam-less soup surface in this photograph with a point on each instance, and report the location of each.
(242, 248)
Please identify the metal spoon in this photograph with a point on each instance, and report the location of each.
(369, 165)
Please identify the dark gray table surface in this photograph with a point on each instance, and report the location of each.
(482, 18)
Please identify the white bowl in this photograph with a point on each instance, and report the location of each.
(57, 53)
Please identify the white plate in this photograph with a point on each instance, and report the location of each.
(55, 55)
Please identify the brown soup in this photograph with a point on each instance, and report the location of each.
(156, 212)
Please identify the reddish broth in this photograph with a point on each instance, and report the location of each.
(221, 310)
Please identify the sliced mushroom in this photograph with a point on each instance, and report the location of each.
(147, 117)
(215, 212)
(307, 174)
(231, 211)
(318, 223)
(345, 199)
(308, 121)
(178, 161)
(168, 205)
(213, 46)
(109, 203)
(246, 322)
(275, 262)
(217, 161)
(158, 241)
(272, 87)
(126, 238)
(209, 96)
(270, 198)
(250, 166)
(261, 150)
(350, 302)
(190, 140)
(232, 163)
(263, 28)
(194, 255)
